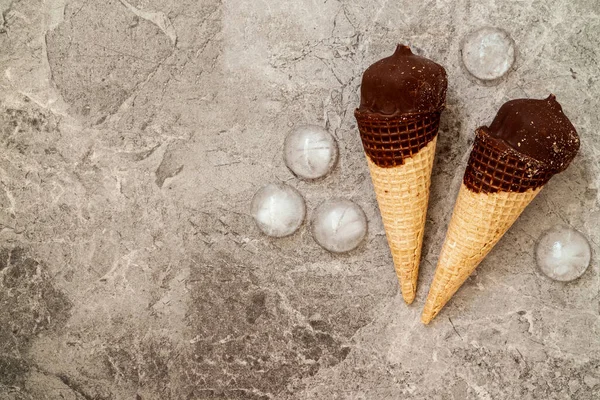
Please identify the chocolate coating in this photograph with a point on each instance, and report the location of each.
(538, 129)
(402, 97)
(402, 84)
(390, 141)
(528, 142)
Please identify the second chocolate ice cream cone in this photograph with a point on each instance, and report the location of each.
(511, 161)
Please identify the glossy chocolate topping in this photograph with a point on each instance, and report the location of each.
(538, 129)
(402, 84)
(527, 143)
(402, 97)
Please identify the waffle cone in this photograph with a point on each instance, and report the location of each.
(400, 152)
(478, 222)
(402, 194)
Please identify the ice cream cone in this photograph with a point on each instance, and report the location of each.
(498, 185)
(402, 97)
(402, 191)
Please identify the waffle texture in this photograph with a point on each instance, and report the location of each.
(389, 141)
(496, 167)
(403, 193)
(478, 222)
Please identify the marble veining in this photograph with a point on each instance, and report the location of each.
(134, 135)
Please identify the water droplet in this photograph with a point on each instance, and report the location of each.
(310, 151)
(278, 209)
(339, 225)
(563, 253)
(488, 53)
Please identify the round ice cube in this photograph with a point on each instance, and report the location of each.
(339, 225)
(278, 209)
(563, 253)
(488, 53)
(310, 151)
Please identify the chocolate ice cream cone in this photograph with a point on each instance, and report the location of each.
(528, 142)
(402, 97)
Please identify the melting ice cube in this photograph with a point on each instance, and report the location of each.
(563, 253)
(339, 225)
(278, 209)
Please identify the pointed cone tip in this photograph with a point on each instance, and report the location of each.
(426, 319)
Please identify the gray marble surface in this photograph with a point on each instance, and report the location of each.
(133, 136)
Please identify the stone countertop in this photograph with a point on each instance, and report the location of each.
(134, 135)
